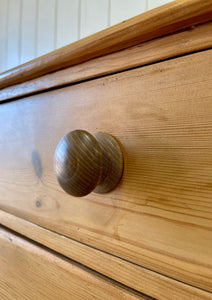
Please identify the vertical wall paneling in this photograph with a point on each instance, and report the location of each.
(94, 16)
(67, 22)
(13, 33)
(31, 28)
(3, 34)
(155, 3)
(46, 33)
(28, 30)
(123, 10)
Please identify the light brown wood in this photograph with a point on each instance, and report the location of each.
(29, 271)
(163, 20)
(193, 39)
(159, 216)
(138, 278)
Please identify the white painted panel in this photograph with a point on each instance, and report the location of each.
(3, 34)
(28, 30)
(46, 33)
(67, 22)
(94, 16)
(124, 9)
(155, 3)
(13, 31)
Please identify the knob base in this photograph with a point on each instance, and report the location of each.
(113, 163)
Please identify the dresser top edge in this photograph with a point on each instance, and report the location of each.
(167, 19)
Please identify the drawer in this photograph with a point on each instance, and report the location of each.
(159, 216)
(29, 271)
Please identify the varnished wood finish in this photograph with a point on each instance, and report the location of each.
(159, 216)
(138, 278)
(152, 24)
(84, 162)
(78, 163)
(29, 271)
(113, 162)
(193, 39)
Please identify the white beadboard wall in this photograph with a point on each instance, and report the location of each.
(31, 28)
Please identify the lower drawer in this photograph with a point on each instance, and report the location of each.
(159, 216)
(28, 271)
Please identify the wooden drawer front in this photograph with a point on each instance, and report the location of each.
(31, 272)
(160, 214)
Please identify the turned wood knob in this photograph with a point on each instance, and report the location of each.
(84, 163)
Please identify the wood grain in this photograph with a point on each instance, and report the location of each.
(159, 216)
(113, 162)
(78, 163)
(193, 39)
(84, 163)
(29, 271)
(167, 19)
(138, 278)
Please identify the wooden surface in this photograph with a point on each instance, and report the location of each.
(29, 271)
(159, 216)
(154, 23)
(84, 163)
(138, 278)
(193, 39)
(78, 163)
(113, 162)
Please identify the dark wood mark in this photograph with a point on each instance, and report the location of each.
(84, 163)
(38, 203)
(37, 164)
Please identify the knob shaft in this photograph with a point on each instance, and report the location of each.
(84, 163)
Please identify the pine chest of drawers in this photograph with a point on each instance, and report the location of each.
(150, 87)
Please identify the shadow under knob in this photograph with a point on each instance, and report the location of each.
(84, 163)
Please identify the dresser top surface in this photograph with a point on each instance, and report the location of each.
(152, 24)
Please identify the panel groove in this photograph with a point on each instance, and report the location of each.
(3, 33)
(55, 24)
(159, 22)
(7, 55)
(136, 277)
(79, 18)
(20, 31)
(109, 13)
(7, 31)
(54, 275)
(53, 82)
(36, 28)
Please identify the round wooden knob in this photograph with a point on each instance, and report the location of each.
(84, 163)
